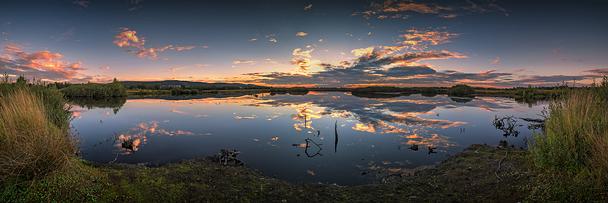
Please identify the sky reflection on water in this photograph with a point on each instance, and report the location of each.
(331, 137)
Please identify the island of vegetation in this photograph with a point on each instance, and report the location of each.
(39, 160)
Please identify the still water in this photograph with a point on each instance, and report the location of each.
(329, 137)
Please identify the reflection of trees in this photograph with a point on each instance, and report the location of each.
(115, 103)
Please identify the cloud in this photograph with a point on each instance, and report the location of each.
(421, 39)
(301, 58)
(135, 4)
(391, 9)
(128, 38)
(598, 71)
(301, 34)
(183, 48)
(247, 62)
(132, 43)
(362, 51)
(39, 64)
(367, 69)
(82, 3)
(496, 61)
(272, 38)
(308, 7)
(375, 64)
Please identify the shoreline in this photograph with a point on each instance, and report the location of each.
(478, 173)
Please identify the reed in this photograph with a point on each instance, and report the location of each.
(574, 146)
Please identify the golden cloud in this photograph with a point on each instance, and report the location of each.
(301, 58)
(301, 34)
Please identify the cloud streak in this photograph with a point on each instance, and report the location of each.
(394, 9)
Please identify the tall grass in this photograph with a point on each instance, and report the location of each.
(33, 142)
(574, 146)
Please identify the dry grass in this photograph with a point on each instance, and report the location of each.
(30, 144)
(574, 147)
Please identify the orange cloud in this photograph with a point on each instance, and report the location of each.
(411, 6)
(128, 39)
(420, 39)
(301, 34)
(41, 64)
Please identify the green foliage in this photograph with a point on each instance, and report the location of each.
(21, 81)
(94, 90)
(574, 147)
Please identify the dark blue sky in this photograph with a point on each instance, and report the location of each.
(409, 42)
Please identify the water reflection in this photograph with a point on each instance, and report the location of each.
(287, 135)
(114, 103)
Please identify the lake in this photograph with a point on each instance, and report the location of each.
(328, 137)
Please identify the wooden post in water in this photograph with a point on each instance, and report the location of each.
(336, 137)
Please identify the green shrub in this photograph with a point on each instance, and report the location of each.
(461, 90)
(574, 147)
(95, 90)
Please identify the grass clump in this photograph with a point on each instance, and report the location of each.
(574, 148)
(33, 143)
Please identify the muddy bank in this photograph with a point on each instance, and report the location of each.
(479, 173)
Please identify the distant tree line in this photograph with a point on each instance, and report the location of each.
(94, 90)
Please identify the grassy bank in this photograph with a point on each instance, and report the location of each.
(573, 152)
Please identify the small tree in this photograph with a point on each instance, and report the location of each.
(21, 81)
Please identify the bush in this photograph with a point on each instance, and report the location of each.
(31, 143)
(94, 90)
(461, 90)
(574, 147)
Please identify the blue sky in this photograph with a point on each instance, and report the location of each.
(488, 43)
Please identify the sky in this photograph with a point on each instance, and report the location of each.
(307, 43)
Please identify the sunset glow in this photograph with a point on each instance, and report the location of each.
(306, 43)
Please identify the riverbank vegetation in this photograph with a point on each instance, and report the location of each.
(95, 90)
(573, 151)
